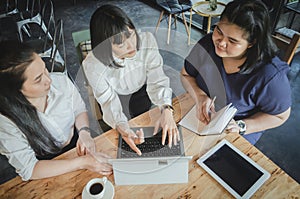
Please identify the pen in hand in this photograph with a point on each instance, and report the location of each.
(210, 106)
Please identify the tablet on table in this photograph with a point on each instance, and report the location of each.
(235, 171)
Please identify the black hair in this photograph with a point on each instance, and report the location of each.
(253, 17)
(109, 24)
(15, 57)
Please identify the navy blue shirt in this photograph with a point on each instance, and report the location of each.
(266, 89)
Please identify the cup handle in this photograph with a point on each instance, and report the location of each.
(104, 179)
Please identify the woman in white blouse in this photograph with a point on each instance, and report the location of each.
(126, 62)
(38, 114)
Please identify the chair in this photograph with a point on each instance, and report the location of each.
(35, 12)
(8, 7)
(275, 8)
(83, 46)
(173, 8)
(38, 38)
(55, 57)
(287, 48)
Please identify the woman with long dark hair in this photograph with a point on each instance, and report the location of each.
(238, 64)
(126, 62)
(39, 113)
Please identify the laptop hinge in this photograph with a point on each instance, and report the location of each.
(163, 162)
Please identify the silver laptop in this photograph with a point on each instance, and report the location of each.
(158, 164)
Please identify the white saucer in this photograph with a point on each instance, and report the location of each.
(109, 191)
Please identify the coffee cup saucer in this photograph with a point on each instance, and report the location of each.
(109, 191)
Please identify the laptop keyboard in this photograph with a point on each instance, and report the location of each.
(152, 147)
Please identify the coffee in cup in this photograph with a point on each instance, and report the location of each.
(95, 188)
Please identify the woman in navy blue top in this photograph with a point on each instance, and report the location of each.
(238, 65)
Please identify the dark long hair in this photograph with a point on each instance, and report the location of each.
(109, 24)
(14, 59)
(253, 17)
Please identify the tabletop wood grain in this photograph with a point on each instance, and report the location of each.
(200, 185)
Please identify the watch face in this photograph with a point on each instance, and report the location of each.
(242, 126)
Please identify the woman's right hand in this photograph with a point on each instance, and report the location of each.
(204, 107)
(98, 162)
(130, 137)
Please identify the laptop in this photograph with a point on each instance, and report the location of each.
(158, 163)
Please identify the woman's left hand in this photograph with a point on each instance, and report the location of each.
(167, 123)
(232, 127)
(85, 143)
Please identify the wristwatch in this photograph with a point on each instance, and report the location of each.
(242, 126)
(85, 128)
(166, 106)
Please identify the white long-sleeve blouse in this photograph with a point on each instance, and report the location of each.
(146, 67)
(64, 104)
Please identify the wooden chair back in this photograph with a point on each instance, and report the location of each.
(287, 48)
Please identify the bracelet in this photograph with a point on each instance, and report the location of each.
(85, 128)
(166, 106)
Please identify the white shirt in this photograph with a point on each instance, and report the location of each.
(64, 104)
(144, 68)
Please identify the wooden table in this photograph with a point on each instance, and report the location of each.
(200, 185)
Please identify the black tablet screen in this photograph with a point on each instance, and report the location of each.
(233, 169)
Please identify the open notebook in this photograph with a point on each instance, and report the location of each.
(217, 124)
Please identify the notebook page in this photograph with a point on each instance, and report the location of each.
(217, 124)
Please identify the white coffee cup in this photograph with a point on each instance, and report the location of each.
(95, 188)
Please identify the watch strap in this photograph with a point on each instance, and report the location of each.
(166, 106)
(85, 128)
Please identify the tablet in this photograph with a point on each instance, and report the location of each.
(235, 171)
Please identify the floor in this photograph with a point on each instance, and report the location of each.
(279, 144)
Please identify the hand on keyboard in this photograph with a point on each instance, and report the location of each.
(167, 123)
(152, 147)
(130, 137)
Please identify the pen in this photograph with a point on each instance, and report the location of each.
(212, 102)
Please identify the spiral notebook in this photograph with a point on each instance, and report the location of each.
(218, 123)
